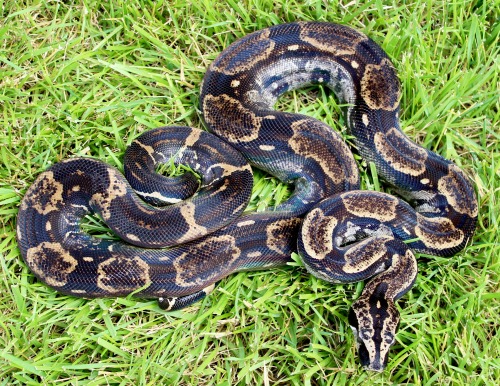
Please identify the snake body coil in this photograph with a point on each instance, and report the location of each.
(347, 235)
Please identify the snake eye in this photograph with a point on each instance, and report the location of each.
(389, 338)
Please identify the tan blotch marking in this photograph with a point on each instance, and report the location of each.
(425, 181)
(275, 231)
(51, 262)
(266, 147)
(438, 233)
(457, 190)
(380, 87)
(88, 259)
(45, 195)
(254, 254)
(354, 64)
(293, 47)
(147, 149)
(235, 83)
(401, 153)
(321, 152)
(76, 188)
(119, 274)
(365, 119)
(374, 205)
(193, 137)
(232, 62)
(206, 261)
(117, 188)
(364, 254)
(317, 234)
(48, 226)
(337, 40)
(223, 111)
(187, 210)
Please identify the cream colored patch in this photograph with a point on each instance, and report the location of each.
(51, 262)
(254, 254)
(425, 181)
(400, 153)
(456, 188)
(78, 291)
(376, 205)
(76, 188)
(117, 188)
(242, 125)
(317, 234)
(380, 87)
(132, 237)
(364, 254)
(438, 233)
(205, 262)
(354, 64)
(48, 226)
(187, 210)
(119, 274)
(275, 231)
(245, 223)
(45, 195)
(235, 83)
(293, 47)
(88, 259)
(266, 147)
(365, 119)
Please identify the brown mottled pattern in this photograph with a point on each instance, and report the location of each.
(120, 274)
(453, 187)
(321, 152)
(51, 262)
(203, 262)
(275, 232)
(117, 188)
(380, 86)
(223, 110)
(45, 195)
(438, 233)
(381, 207)
(317, 233)
(400, 153)
(365, 254)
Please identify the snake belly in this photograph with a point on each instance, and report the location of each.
(347, 235)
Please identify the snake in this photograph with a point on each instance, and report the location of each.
(181, 235)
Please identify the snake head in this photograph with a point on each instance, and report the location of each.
(374, 323)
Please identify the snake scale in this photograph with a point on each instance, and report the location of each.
(177, 252)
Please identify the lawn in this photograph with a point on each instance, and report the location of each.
(86, 79)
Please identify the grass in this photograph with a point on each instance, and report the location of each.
(87, 78)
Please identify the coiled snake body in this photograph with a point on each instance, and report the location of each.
(347, 235)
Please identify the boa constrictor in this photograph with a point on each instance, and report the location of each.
(341, 233)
